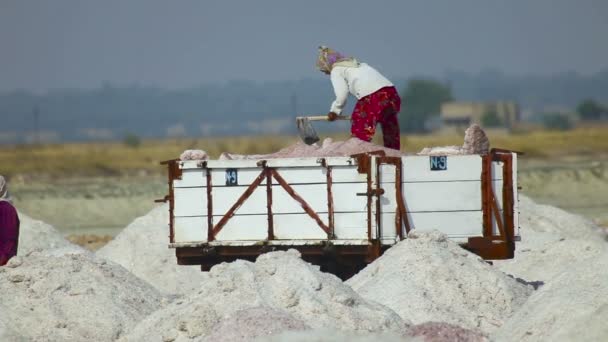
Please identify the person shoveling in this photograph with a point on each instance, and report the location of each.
(378, 100)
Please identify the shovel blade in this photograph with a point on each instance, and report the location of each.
(307, 132)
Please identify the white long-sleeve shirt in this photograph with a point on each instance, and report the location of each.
(360, 82)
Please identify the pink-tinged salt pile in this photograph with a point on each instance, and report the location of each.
(475, 142)
(328, 148)
(440, 332)
(248, 324)
(334, 335)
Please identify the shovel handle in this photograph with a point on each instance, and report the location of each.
(323, 117)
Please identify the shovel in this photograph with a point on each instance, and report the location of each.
(307, 132)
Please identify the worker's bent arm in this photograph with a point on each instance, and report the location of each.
(340, 89)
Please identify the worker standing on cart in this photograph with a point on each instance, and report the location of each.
(378, 100)
(9, 225)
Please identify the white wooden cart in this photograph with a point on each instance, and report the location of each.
(340, 212)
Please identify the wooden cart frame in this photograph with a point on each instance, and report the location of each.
(339, 258)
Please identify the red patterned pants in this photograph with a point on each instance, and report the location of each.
(380, 107)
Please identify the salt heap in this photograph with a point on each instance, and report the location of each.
(194, 155)
(551, 240)
(441, 332)
(351, 146)
(72, 297)
(142, 248)
(475, 142)
(35, 235)
(573, 306)
(430, 278)
(335, 336)
(278, 281)
(328, 148)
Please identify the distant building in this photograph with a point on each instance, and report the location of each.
(463, 114)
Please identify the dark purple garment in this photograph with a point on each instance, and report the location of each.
(9, 232)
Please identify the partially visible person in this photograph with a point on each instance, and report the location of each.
(9, 225)
(378, 100)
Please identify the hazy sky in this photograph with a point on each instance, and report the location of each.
(180, 43)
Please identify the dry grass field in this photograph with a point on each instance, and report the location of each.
(98, 188)
(116, 158)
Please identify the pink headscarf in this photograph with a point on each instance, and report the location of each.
(4, 196)
(329, 58)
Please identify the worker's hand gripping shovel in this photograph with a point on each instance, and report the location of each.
(307, 132)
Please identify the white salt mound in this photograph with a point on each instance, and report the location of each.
(551, 241)
(571, 307)
(430, 278)
(35, 235)
(277, 280)
(72, 298)
(143, 249)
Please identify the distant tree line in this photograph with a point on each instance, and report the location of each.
(246, 107)
(591, 110)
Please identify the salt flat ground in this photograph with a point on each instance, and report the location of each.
(578, 185)
(89, 205)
